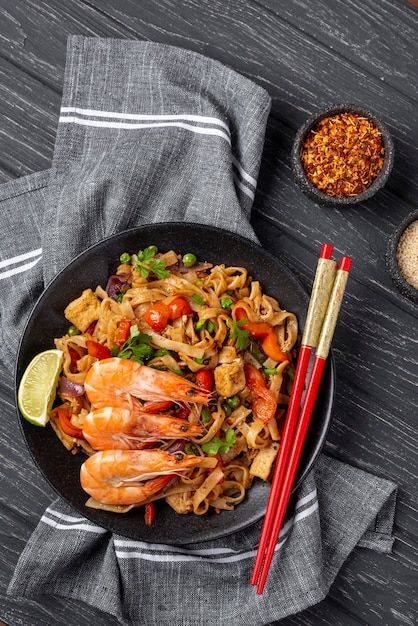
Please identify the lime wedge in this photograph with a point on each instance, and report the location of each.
(37, 389)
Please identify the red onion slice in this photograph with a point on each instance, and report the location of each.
(70, 388)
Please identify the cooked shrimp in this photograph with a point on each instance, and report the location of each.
(112, 382)
(131, 476)
(112, 428)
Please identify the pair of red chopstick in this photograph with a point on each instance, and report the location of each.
(324, 306)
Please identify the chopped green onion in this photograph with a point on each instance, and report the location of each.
(210, 327)
(226, 409)
(189, 259)
(270, 371)
(206, 416)
(189, 448)
(178, 372)
(230, 436)
(199, 361)
(291, 373)
(200, 324)
(256, 352)
(73, 331)
(199, 283)
(198, 299)
(226, 303)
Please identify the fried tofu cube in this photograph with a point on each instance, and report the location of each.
(83, 311)
(263, 462)
(229, 378)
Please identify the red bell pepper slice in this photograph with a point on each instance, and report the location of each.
(264, 404)
(149, 514)
(74, 356)
(98, 350)
(64, 417)
(182, 413)
(91, 328)
(123, 331)
(266, 332)
(204, 378)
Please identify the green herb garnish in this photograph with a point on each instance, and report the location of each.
(146, 263)
(136, 347)
(242, 337)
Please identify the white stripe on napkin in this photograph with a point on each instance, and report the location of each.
(139, 121)
(204, 119)
(68, 522)
(72, 119)
(18, 259)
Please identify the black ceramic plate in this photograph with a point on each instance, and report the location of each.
(47, 321)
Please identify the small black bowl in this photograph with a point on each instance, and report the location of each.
(402, 284)
(313, 192)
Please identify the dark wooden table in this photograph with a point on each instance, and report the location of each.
(307, 54)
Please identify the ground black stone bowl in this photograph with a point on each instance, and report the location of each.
(313, 192)
(403, 285)
(93, 267)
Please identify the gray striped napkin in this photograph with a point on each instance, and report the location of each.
(151, 133)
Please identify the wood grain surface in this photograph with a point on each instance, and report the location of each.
(307, 54)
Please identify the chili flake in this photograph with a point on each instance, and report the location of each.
(343, 154)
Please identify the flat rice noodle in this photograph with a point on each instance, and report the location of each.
(177, 346)
(204, 490)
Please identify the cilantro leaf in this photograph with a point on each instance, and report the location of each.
(136, 347)
(242, 337)
(146, 264)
